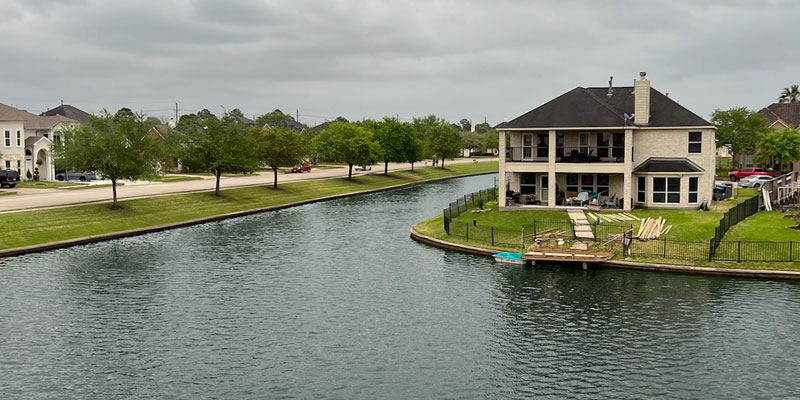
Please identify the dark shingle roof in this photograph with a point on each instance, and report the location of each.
(590, 107)
(70, 112)
(789, 113)
(665, 164)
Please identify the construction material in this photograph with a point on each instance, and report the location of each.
(652, 228)
(767, 202)
(612, 217)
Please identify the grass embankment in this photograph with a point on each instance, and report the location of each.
(5, 193)
(175, 178)
(51, 225)
(45, 185)
(765, 225)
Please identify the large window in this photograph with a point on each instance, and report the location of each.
(695, 142)
(572, 183)
(559, 144)
(619, 145)
(541, 145)
(527, 184)
(603, 184)
(641, 189)
(527, 146)
(603, 143)
(8, 164)
(693, 190)
(667, 190)
(7, 138)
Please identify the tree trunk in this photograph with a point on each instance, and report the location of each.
(442, 162)
(114, 191)
(217, 174)
(385, 167)
(412, 167)
(350, 172)
(275, 173)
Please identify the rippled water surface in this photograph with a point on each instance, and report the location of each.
(333, 300)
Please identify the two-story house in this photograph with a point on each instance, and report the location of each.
(625, 146)
(25, 141)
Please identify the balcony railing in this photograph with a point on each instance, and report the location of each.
(526, 154)
(582, 154)
(587, 154)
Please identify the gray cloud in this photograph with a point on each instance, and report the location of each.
(457, 59)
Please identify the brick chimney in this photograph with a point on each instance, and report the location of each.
(641, 100)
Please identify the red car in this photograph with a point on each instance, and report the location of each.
(301, 168)
(745, 172)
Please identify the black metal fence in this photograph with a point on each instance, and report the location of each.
(732, 217)
(470, 201)
(712, 250)
(511, 238)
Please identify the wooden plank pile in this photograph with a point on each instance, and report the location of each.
(653, 228)
(612, 217)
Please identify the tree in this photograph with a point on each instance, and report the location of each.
(739, 127)
(415, 151)
(483, 127)
(781, 146)
(278, 147)
(117, 146)
(394, 138)
(124, 113)
(444, 142)
(790, 95)
(466, 126)
(421, 127)
(217, 145)
(491, 140)
(347, 143)
(472, 140)
(273, 118)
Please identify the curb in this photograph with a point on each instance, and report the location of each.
(684, 269)
(159, 228)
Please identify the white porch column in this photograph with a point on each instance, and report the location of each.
(551, 169)
(501, 173)
(627, 177)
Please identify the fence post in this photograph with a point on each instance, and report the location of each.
(523, 237)
(467, 224)
(791, 247)
(710, 250)
(665, 247)
(739, 252)
(492, 235)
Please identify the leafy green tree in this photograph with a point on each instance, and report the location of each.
(444, 142)
(790, 94)
(781, 146)
(491, 140)
(116, 146)
(278, 147)
(217, 145)
(347, 143)
(466, 126)
(415, 150)
(273, 118)
(124, 113)
(422, 126)
(483, 127)
(739, 127)
(472, 140)
(394, 138)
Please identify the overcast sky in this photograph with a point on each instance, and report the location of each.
(457, 59)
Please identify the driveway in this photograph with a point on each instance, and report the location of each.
(44, 198)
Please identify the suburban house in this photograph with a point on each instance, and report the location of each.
(26, 139)
(66, 110)
(779, 116)
(622, 146)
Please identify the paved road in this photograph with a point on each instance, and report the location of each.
(44, 198)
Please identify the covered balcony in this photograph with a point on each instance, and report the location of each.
(570, 147)
(531, 190)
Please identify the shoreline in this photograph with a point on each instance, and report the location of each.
(37, 248)
(634, 265)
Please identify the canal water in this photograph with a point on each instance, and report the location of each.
(335, 301)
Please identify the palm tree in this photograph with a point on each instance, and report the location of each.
(790, 94)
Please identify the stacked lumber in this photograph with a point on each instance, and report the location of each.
(612, 217)
(653, 228)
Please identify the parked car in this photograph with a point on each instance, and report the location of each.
(71, 175)
(363, 168)
(301, 168)
(745, 172)
(9, 178)
(754, 181)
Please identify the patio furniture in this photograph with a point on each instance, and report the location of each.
(581, 198)
(610, 202)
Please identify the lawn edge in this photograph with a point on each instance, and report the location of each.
(37, 248)
(634, 265)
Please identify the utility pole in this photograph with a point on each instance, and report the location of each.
(297, 114)
(176, 112)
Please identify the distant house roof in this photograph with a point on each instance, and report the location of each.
(66, 110)
(591, 107)
(246, 122)
(667, 164)
(787, 113)
(31, 121)
(290, 124)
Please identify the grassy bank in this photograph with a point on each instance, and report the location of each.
(43, 226)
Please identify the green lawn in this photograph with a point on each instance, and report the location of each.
(45, 184)
(5, 193)
(765, 225)
(227, 175)
(42, 226)
(511, 219)
(81, 187)
(172, 178)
